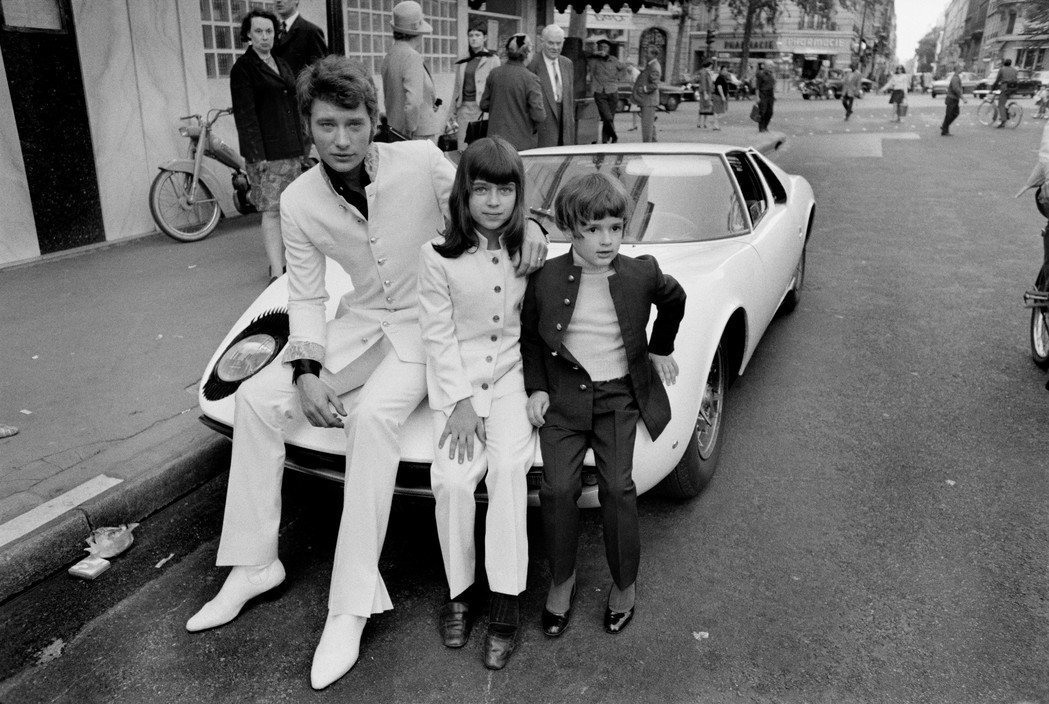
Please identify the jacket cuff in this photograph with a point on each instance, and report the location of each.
(302, 349)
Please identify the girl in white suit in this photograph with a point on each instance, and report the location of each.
(469, 311)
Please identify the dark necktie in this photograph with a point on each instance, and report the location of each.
(283, 28)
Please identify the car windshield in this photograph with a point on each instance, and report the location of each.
(673, 197)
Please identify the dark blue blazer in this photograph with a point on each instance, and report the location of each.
(549, 303)
(301, 45)
(269, 126)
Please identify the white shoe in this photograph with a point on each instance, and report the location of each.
(244, 582)
(338, 650)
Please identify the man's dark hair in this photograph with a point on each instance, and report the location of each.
(1007, 62)
(245, 24)
(338, 80)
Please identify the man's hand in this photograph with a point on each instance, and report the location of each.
(461, 427)
(536, 408)
(533, 251)
(320, 404)
(666, 368)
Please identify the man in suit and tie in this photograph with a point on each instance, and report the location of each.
(555, 76)
(299, 41)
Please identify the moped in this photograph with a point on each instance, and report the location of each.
(187, 198)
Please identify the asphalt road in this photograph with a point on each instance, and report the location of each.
(876, 531)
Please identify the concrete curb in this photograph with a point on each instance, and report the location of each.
(159, 466)
(169, 467)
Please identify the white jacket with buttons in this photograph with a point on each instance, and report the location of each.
(407, 205)
(470, 314)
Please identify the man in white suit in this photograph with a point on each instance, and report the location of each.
(369, 207)
(555, 76)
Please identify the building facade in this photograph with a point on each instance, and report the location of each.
(91, 92)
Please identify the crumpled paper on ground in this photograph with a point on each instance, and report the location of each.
(110, 541)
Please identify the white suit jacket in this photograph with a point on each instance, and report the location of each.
(407, 205)
(470, 312)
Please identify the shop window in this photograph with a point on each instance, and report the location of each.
(503, 18)
(220, 20)
(368, 33)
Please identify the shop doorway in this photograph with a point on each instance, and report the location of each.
(39, 48)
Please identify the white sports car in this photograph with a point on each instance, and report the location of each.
(726, 222)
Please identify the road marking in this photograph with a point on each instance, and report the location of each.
(853, 144)
(33, 519)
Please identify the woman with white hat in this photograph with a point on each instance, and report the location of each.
(407, 88)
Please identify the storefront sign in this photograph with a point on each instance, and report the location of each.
(822, 44)
(623, 21)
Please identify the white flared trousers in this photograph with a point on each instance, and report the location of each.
(265, 405)
(503, 463)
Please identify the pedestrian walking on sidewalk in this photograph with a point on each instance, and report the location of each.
(369, 208)
(954, 95)
(407, 87)
(269, 127)
(605, 73)
(766, 87)
(851, 86)
(720, 98)
(705, 84)
(646, 93)
(896, 87)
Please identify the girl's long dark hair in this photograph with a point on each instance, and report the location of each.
(491, 159)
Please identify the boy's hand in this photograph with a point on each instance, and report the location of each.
(461, 427)
(532, 254)
(536, 408)
(666, 368)
(320, 404)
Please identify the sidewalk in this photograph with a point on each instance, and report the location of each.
(102, 354)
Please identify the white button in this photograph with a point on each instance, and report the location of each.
(386, 323)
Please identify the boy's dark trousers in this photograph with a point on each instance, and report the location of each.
(612, 439)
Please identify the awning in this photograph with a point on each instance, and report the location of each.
(614, 5)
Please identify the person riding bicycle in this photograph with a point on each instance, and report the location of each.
(1005, 82)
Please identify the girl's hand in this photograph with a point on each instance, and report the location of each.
(533, 251)
(461, 427)
(536, 408)
(666, 368)
(320, 404)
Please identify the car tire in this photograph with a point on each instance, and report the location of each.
(1040, 326)
(672, 103)
(696, 467)
(804, 96)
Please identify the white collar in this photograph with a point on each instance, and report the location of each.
(549, 61)
(291, 20)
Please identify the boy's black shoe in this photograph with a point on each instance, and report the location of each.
(556, 624)
(499, 643)
(616, 621)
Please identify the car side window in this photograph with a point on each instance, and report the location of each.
(749, 185)
(779, 193)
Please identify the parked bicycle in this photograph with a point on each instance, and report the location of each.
(187, 198)
(987, 111)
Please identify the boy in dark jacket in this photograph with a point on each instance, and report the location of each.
(591, 373)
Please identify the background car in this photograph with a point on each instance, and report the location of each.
(670, 96)
(1026, 85)
(737, 89)
(726, 222)
(969, 82)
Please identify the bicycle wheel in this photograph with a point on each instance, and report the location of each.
(985, 113)
(1016, 115)
(173, 212)
(1040, 327)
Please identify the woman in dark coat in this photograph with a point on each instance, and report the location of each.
(268, 126)
(513, 97)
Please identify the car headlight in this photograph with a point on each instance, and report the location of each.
(246, 357)
(257, 345)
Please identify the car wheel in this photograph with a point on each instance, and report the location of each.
(1040, 326)
(700, 459)
(672, 102)
(790, 301)
(804, 96)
